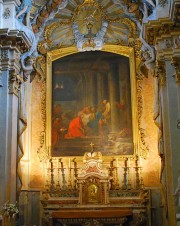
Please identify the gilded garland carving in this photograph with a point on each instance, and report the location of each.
(142, 143)
(42, 151)
(138, 51)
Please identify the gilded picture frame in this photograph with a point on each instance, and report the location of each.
(120, 50)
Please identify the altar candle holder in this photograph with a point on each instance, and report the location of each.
(63, 176)
(75, 173)
(52, 188)
(47, 185)
(69, 178)
(137, 172)
(141, 178)
(129, 185)
(111, 174)
(117, 178)
(125, 174)
(58, 186)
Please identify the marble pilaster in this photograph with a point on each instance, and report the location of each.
(11, 79)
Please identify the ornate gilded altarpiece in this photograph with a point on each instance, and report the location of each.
(91, 26)
(99, 156)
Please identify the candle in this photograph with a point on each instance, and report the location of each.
(117, 163)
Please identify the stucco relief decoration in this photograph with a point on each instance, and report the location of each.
(89, 26)
(4, 54)
(163, 3)
(176, 42)
(176, 63)
(7, 13)
(15, 81)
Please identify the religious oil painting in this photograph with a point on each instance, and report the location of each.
(91, 104)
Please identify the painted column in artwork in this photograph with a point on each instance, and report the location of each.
(113, 97)
(99, 87)
(124, 94)
(89, 89)
(102, 86)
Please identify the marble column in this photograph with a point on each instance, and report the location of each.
(113, 98)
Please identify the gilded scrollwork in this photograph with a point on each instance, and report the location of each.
(137, 47)
(144, 149)
(43, 150)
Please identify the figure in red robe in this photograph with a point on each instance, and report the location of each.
(76, 128)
